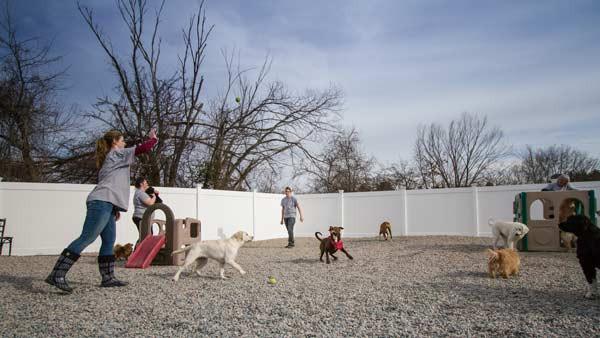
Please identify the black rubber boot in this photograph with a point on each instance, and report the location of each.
(58, 275)
(106, 265)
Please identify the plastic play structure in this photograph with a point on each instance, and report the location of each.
(544, 234)
(173, 234)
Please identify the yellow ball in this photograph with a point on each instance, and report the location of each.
(272, 280)
(237, 99)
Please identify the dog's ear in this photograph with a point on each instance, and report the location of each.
(330, 228)
(341, 228)
(238, 236)
(492, 255)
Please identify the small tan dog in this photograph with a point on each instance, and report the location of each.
(385, 230)
(123, 251)
(504, 262)
(569, 240)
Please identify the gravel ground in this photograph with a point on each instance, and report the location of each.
(413, 286)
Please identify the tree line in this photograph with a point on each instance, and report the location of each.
(467, 152)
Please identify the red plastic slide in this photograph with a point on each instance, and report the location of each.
(145, 252)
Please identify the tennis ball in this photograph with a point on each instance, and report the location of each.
(237, 99)
(272, 280)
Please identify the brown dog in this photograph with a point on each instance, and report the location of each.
(123, 251)
(331, 244)
(505, 262)
(385, 230)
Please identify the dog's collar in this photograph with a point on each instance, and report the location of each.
(338, 245)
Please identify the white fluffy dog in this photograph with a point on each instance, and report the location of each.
(223, 251)
(509, 232)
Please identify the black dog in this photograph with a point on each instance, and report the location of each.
(588, 247)
(150, 192)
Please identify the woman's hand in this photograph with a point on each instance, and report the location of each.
(117, 215)
(152, 133)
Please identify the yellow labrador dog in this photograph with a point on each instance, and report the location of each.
(223, 251)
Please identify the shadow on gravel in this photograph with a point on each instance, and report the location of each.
(462, 274)
(301, 261)
(528, 301)
(25, 283)
(452, 247)
(184, 274)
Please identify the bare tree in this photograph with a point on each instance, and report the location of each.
(342, 165)
(269, 128)
(398, 175)
(146, 99)
(537, 165)
(32, 123)
(460, 155)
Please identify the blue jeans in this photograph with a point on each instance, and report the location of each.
(99, 221)
(289, 225)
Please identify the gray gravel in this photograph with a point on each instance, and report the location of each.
(413, 286)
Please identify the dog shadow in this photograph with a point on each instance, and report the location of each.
(466, 248)
(469, 274)
(300, 261)
(184, 274)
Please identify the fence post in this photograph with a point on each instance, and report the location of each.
(476, 209)
(341, 207)
(254, 213)
(405, 210)
(198, 188)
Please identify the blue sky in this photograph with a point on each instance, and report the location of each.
(533, 67)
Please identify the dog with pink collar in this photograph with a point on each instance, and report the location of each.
(332, 244)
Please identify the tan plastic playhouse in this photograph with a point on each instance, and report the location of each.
(544, 234)
(178, 232)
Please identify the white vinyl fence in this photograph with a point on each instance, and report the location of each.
(45, 218)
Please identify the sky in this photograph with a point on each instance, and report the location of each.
(531, 67)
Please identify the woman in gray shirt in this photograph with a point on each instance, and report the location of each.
(141, 200)
(104, 204)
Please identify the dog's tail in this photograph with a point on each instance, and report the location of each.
(491, 221)
(187, 248)
(492, 255)
(317, 235)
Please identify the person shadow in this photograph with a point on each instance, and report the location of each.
(26, 284)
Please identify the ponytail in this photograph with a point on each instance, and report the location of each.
(104, 144)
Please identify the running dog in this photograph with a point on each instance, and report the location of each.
(332, 244)
(223, 251)
(385, 230)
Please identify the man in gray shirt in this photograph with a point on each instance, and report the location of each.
(288, 214)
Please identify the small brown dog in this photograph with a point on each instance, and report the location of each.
(504, 262)
(569, 240)
(123, 251)
(331, 244)
(385, 230)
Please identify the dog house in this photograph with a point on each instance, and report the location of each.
(556, 206)
(178, 232)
